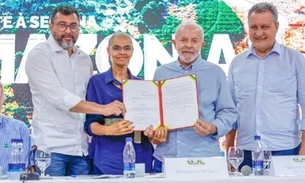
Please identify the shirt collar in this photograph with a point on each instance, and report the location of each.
(110, 78)
(56, 47)
(275, 49)
(192, 66)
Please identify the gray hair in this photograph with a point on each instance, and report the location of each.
(263, 7)
(189, 23)
(118, 34)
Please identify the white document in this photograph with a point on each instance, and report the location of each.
(172, 103)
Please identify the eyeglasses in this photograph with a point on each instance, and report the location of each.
(118, 49)
(62, 26)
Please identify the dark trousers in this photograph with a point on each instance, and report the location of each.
(248, 155)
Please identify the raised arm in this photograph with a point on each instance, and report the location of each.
(42, 78)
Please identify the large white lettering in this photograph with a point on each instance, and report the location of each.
(44, 22)
(33, 40)
(7, 43)
(153, 52)
(34, 22)
(20, 22)
(9, 22)
(221, 42)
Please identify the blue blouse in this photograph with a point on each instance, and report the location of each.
(107, 151)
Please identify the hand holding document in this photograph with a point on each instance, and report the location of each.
(172, 103)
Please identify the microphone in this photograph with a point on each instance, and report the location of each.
(245, 170)
(30, 173)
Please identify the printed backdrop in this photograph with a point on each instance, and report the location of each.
(24, 23)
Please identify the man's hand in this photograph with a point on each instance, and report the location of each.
(160, 136)
(204, 128)
(149, 132)
(120, 128)
(157, 137)
(115, 108)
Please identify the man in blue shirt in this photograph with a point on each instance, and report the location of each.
(216, 108)
(267, 83)
(11, 129)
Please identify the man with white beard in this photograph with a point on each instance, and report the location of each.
(217, 111)
(58, 74)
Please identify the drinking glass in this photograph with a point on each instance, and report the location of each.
(235, 158)
(43, 160)
(267, 161)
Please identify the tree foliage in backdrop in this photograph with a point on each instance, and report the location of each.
(137, 17)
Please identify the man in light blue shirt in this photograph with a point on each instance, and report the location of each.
(267, 83)
(11, 129)
(216, 107)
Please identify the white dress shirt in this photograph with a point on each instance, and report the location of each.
(58, 82)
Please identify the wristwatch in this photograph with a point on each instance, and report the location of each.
(216, 131)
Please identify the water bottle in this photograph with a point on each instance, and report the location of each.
(129, 158)
(20, 155)
(16, 164)
(257, 157)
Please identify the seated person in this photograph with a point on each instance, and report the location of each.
(11, 129)
(108, 134)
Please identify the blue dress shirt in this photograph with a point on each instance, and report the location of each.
(267, 92)
(12, 129)
(215, 106)
(107, 151)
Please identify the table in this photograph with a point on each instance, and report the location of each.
(249, 179)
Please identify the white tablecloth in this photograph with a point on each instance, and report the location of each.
(163, 180)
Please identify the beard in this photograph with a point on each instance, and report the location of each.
(63, 44)
(188, 59)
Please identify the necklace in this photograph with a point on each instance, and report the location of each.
(116, 83)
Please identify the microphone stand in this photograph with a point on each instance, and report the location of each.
(30, 172)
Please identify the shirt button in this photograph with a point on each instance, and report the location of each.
(259, 86)
(185, 71)
(179, 141)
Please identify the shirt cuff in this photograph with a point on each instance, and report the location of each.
(88, 128)
(215, 133)
(71, 100)
(222, 129)
(91, 119)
